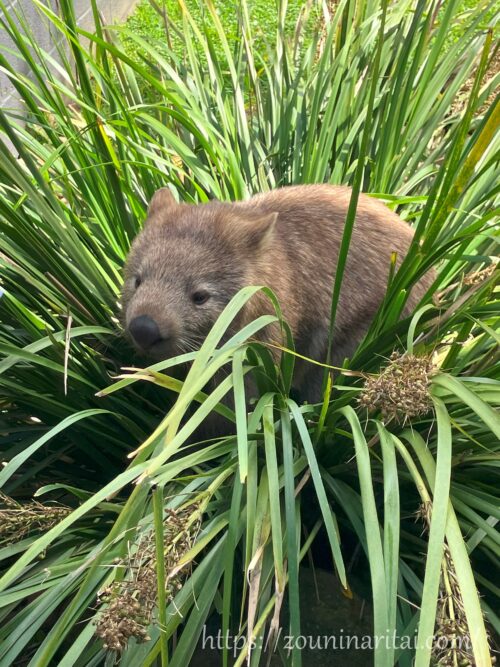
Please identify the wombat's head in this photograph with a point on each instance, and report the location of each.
(183, 269)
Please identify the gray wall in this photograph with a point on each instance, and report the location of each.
(113, 11)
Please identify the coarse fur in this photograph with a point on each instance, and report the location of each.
(287, 239)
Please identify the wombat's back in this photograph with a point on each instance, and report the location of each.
(301, 262)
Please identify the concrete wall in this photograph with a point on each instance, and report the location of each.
(113, 11)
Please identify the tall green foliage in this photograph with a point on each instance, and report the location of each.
(367, 101)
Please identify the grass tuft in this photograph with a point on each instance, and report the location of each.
(401, 391)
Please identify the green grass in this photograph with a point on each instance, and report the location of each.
(148, 21)
(411, 508)
(466, 10)
(159, 23)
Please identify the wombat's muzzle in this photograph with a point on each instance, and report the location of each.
(145, 332)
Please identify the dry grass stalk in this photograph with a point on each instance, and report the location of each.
(131, 601)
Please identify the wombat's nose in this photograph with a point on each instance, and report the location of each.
(144, 331)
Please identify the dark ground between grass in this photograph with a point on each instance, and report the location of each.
(334, 627)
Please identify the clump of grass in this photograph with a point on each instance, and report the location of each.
(20, 520)
(452, 643)
(452, 646)
(158, 22)
(128, 613)
(131, 602)
(401, 390)
(478, 277)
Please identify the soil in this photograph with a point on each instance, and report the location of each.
(331, 624)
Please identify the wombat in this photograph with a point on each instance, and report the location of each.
(189, 261)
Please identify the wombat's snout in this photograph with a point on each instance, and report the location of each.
(145, 331)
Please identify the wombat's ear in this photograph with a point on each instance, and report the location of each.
(255, 232)
(162, 201)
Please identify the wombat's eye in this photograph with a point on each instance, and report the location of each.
(200, 297)
(137, 281)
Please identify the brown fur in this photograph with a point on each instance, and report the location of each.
(288, 240)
